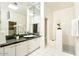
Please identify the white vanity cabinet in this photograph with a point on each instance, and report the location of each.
(20, 49)
(10, 50)
(1, 52)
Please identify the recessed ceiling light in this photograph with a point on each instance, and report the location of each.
(14, 7)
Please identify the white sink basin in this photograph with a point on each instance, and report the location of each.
(30, 36)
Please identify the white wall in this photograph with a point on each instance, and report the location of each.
(76, 10)
(42, 24)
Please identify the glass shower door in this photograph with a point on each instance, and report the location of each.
(75, 34)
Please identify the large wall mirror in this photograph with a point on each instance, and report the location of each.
(20, 17)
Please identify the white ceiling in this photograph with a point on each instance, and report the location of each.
(58, 5)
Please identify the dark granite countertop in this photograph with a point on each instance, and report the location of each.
(14, 41)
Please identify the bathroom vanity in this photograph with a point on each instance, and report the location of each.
(21, 47)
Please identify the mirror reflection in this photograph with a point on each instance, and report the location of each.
(20, 18)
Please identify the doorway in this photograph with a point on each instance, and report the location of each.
(46, 32)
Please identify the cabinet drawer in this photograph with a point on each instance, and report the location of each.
(10, 50)
(1, 52)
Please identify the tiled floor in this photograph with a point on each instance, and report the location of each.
(49, 51)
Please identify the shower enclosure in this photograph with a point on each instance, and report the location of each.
(75, 34)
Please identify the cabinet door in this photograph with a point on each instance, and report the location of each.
(1, 52)
(31, 45)
(34, 44)
(10, 50)
(37, 43)
(22, 48)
